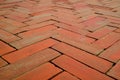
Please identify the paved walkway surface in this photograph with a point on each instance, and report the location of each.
(59, 39)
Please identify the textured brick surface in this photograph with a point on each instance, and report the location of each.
(59, 39)
(4, 48)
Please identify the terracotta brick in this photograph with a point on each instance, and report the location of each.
(80, 5)
(112, 53)
(84, 46)
(94, 20)
(4, 12)
(72, 23)
(43, 72)
(37, 32)
(76, 29)
(27, 51)
(10, 27)
(31, 40)
(115, 71)
(113, 19)
(65, 76)
(7, 6)
(26, 4)
(101, 32)
(7, 37)
(17, 16)
(79, 70)
(87, 17)
(95, 23)
(74, 36)
(108, 40)
(2, 63)
(12, 22)
(42, 19)
(31, 27)
(42, 12)
(4, 48)
(84, 57)
(118, 30)
(16, 69)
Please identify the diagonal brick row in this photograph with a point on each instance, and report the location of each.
(59, 39)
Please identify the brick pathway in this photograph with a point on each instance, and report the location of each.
(59, 39)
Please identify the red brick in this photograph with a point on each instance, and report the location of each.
(115, 71)
(37, 32)
(27, 51)
(42, 12)
(95, 23)
(65, 14)
(10, 26)
(43, 15)
(31, 40)
(112, 53)
(2, 62)
(4, 48)
(43, 72)
(87, 17)
(31, 27)
(42, 19)
(72, 24)
(14, 70)
(4, 12)
(13, 22)
(79, 70)
(17, 16)
(80, 5)
(101, 32)
(113, 19)
(74, 36)
(118, 30)
(65, 76)
(84, 57)
(7, 37)
(108, 40)
(6, 6)
(26, 4)
(77, 29)
(84, 46)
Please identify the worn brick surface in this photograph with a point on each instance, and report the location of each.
(59, 39)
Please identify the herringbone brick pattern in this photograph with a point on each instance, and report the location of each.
(59, 39)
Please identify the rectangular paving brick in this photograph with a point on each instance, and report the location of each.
(2, 62)
(65, 76)
(74, 36)
(43, 72)
(18, 68)
(92, 24)
(27, 51)
(101, 32)
(35, 21)
(12, 22)
(112, 53)
(76, 29)
(31, 27)
(84, 57)
(7, 37)
(30, 40)
(79, 70)
(5, 48)
(108, 40)
(85, 46)
(38, 31)
(115, 71)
